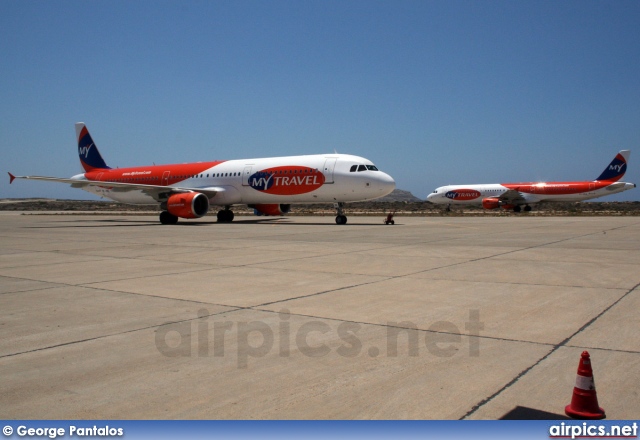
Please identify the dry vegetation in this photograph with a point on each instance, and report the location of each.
(403, 208)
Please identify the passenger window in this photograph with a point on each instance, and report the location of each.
(353, 168)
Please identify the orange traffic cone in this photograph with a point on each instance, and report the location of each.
(584, 403)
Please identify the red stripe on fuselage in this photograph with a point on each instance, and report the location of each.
(557, 188)
(152, 175)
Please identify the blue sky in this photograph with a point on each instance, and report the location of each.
(433, 92)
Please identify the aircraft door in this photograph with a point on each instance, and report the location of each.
(165, 178)
(329, 166)
(245, 176)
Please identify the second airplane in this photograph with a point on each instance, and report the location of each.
(517, 195)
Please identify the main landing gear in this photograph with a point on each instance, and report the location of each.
(517, 208)
(225, 215)
(341, 219)
(166, 218)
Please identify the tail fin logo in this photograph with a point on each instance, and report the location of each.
(616, 169)
(84, 151)
(88, 153)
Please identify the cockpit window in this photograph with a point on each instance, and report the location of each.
(359, 168)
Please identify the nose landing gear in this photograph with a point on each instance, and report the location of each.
(341, 219)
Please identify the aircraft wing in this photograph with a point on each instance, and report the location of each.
(159, 193)
(512, 197)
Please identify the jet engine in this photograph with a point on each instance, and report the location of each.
(491, 203)
(188, 205)
(263, 209)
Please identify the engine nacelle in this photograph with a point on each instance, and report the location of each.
(188, 205)
(491, 203)
(264, 209)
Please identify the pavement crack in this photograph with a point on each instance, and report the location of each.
(555, 348)
(96, 338)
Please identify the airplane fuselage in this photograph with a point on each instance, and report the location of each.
(292, 179)
(532, 192)
(515, 195)
(268, 185)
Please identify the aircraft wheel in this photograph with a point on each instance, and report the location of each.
(517, 208)
(166, 218)
(341, 219)
(225, 216)
(527, 208)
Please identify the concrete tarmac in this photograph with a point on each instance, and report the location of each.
(119, 317)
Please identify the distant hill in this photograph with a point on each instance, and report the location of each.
(398, 195)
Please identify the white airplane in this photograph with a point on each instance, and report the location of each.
(515, 195)
(268, 185)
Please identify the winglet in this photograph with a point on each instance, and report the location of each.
(11, 178)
